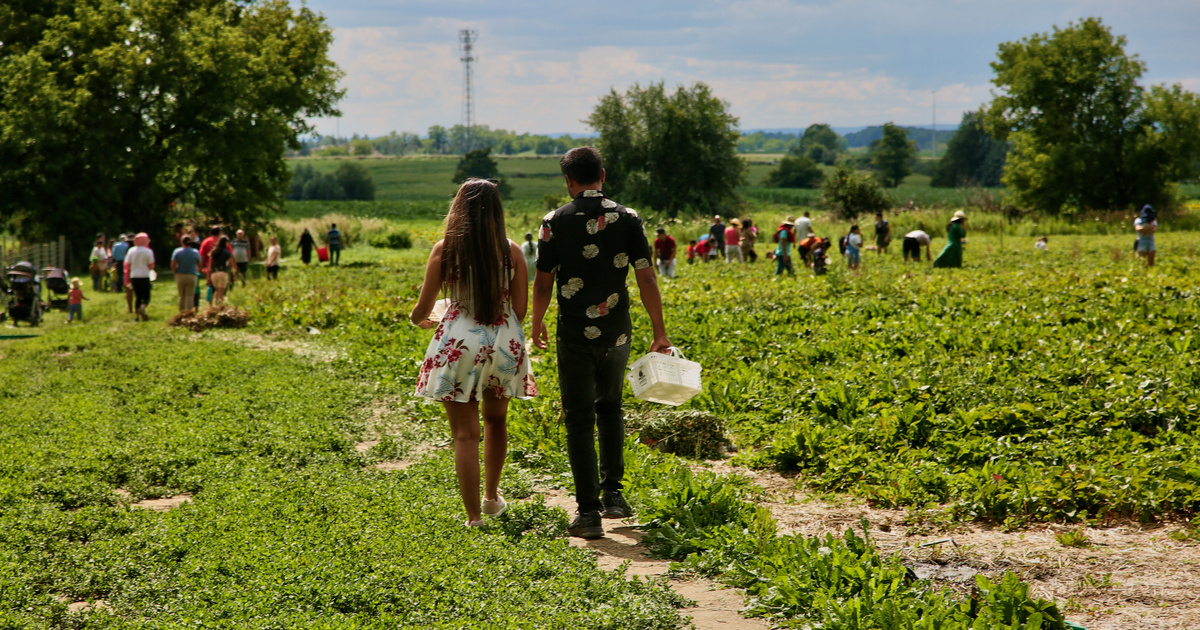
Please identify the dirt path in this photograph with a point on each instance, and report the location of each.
(1131, 576)
(716, 606)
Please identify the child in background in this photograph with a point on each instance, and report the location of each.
(75, 301)
(854, 247)
(1041, 243)
(818, 256)
(691, 252)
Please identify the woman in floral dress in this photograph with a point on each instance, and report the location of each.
(477, 355)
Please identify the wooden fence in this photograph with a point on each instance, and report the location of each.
(42, 255)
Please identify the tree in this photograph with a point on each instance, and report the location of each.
(1084, 134)
(113, 110)
(821, 144)
(355, 180)
(439, 139)
(850, 194)
(795, 171)
(892, 155)
(671, 152)
(348, 181)
(972, 158)
(362, 146)
(479, 163)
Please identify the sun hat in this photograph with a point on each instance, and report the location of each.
(790, 220)
(142, 239)
(735, 222)
(958, 215)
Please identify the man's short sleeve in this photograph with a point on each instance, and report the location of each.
(547, 253)
(639, 247)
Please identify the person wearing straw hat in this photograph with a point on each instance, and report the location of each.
(733, 241)
(951, 255)
(785, 236)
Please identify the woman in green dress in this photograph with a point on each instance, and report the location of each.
(951, 255)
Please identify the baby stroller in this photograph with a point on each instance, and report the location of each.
(24, 293)
(58, 281)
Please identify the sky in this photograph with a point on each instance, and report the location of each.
(542, 66)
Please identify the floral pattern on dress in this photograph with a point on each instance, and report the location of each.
(497, 359)
(571, 287)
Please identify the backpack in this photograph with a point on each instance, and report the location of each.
(791, 236)
(842, 243)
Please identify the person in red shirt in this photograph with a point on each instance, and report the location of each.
(733, 245)
(664, 253)
(206, 249)
(75, 301)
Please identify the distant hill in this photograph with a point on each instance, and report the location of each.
(921, 135)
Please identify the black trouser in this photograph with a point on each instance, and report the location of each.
(912, 247)
(273, 272)
(141, 292)
(591, 378)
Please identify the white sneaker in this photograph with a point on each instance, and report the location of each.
(494, 508)
(478, 523)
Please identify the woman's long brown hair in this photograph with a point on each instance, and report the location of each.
(475, 253)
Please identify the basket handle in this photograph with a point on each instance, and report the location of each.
(676, 352)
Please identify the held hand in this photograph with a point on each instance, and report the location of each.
(661, 345)
(427, 323)
(541, 338)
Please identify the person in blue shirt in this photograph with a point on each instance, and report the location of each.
(118, 255)
(334, 240)
(185, 261)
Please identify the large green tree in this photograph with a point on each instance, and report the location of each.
(1085, 134)
(820, 143)
(892, 155)
(673, 152)
(972, 158)
(112, 110)
(795, 171)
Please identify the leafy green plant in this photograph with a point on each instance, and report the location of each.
(687, 432)
(392, 239)
(1073, 538)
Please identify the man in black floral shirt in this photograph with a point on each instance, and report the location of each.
(590, 244)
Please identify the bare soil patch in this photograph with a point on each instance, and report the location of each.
(716, 606)
(1132, 576)
(163, 504)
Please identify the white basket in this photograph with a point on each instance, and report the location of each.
(661, 378)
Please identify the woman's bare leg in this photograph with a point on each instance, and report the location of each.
(495, 442)
(464, 429)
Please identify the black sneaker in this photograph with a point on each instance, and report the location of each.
(615, 505)
(586, 525)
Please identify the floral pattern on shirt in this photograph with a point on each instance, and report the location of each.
(590, 251)
(571, 287)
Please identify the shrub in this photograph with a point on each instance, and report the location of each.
(849, 195)
(392, 239)
(213, 317)
(692, 433)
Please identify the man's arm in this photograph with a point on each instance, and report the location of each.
(652, 300)
(543, 290)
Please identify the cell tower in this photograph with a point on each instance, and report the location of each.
(466, 43)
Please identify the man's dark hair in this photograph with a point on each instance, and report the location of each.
(583, 165)
(187, 241)
(333, 226)
(215, 231)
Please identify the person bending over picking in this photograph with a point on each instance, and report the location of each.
(588, 246)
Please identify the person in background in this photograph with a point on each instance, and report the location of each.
(274, 253)
(883, 233)
(913, 242)
(589, 246)
(854, 241)
(124, 272)
(804, 227)
(75, 300)
(664, 253)
(748, 235)
(733, 241)
(691, 252)
(333, 239)
(1146, 226)
(819, 256)
(1042, 243)
(785, 236)
(529, 252)
(476, 360)
(716, 233)
(241, 254)
(184, 263)
(98, 262)
(139, 262)
(222, 272)
(306, 247)
(195, 244)
(952, 253)
(206, 249)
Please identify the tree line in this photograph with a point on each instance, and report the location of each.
(439, 140)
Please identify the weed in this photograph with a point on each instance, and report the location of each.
(1073, 538)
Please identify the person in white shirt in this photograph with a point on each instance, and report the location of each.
(913, 242)
(1041, 243)
(854, 242)
(139, 265)
(804, 227)
(98, 262)
(274, 253)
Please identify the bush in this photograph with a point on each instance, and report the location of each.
(212, 317)
(795, 171)
(849, 195)
(392, 239)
